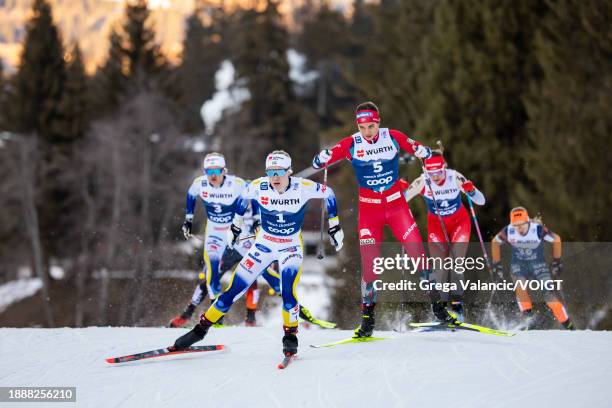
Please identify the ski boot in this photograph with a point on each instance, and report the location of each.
(530, 320)
(290, 341)
(568, 325)
(250, 320)
(219, 323)
(457, 309)
(193, 336)
(443, 315)
(182, 319)
(366, 328)
(306, 315)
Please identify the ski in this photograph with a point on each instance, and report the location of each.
(464, 326)
(323, 323)
(288, 359)
(163, 352)
(350, 340)
(423, 329)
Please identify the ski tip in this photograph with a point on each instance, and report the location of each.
(110, 360)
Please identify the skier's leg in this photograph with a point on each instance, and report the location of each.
(272, 277)
(459, 232)
(243, 276)
(520, 274)
(214, 247)
(542, 273)
(370, 226)
(252, 298)
(438, 251)
(290, 264)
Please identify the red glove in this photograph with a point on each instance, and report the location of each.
(468, 187)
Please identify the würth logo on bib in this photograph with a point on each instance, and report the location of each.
(248, 264)
(360, 153)
(265, 200)
(285, 201)
(204, 194)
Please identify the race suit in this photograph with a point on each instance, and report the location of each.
(220, 203)
(456, 222)
(528, 263)
(279, 240)
(375, 163)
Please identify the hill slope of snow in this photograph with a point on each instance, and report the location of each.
(460, 369)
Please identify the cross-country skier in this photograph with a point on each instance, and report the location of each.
(231, 256)
(374, 153)
(526, 239)
(219, 193)
(447, 185)
(282, 202)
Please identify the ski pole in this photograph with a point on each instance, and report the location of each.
(482, 247)
(433, 198)
(484, 251)
(321, 249)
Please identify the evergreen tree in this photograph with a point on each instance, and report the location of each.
(397, 45)
(481, 67)
(134, 61)
(203, 51)
(570, 122)
(39, 81)
(144, 58)
(75, 105)
(110, 81)
(324, 39)
(276, 117)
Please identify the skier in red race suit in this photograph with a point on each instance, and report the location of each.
(374, 154)
(447, 185)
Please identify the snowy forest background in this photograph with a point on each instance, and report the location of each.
(94, 166)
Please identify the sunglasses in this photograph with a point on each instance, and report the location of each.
(436, 173)
(276, 172)
(213, 172)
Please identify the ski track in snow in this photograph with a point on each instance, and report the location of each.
(454, 369)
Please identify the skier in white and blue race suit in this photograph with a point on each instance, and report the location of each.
(282, 203)
(219, 193)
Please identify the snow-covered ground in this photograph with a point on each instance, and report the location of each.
(436, 369)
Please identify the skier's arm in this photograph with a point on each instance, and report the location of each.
(414, 189)
(192, 195)
(316, 190)
(247, 197)
(342, 150)
(496, 243)
(549, 236)
(409, 145)
(467, 187)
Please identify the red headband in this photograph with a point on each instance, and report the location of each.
(364, 116)
(434, 163)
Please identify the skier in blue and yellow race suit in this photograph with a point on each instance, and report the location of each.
(282, 203)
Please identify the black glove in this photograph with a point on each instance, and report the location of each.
(498, 271)
(232, 235)
(557, 267)
(255, 227)
(186, 228)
